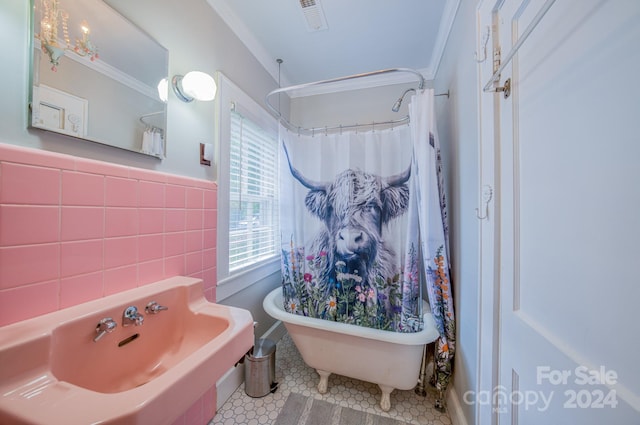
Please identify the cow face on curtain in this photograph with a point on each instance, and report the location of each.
(350, 271)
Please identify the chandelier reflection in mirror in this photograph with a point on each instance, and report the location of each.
(55, 18)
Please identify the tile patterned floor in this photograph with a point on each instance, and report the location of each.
(294, 375)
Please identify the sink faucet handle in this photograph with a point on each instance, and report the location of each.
(131, 316)
(154, 308)
(105, 326)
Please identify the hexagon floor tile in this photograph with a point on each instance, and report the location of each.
(293, 375)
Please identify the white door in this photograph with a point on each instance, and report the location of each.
(567, 213)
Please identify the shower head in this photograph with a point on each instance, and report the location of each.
(396, 106)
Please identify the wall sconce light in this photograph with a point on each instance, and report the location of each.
(194, 85)
(53, 18)
(163, 90)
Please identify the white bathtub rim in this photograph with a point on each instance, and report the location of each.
(273, 306)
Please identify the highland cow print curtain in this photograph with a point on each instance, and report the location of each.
(349, 226)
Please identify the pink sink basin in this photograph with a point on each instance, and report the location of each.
(53, 372)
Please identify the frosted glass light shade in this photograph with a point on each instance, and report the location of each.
(163, 90)
(195, 85)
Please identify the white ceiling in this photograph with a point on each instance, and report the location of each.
(362, 36)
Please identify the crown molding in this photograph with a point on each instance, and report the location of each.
(446, 25)
(109, 71)
(249, 40)
(260, 53)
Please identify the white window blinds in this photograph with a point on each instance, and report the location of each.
(253, 194)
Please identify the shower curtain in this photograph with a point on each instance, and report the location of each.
(350, 248)
(432, 207)
(363, 220)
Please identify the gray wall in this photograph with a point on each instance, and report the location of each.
(458, 129)
(362, 106)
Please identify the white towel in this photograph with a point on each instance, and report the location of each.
(158, 144)
(147, 142)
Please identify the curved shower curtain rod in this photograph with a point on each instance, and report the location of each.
(276, 113)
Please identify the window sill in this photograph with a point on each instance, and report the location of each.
(245, 278)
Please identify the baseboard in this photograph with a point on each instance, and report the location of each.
(275, 332)
(454, 407)
(234, 377)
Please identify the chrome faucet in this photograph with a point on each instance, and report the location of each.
(154, 308)
(105, 326)
(132, 317)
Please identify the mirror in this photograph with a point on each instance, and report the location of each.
(95, 75)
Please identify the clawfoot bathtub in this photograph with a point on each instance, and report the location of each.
(390, 359)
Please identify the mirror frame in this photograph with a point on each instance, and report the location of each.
(61, 112)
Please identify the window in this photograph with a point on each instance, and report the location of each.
(253, 193)
(248, 242)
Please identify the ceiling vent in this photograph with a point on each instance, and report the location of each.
(313, 15)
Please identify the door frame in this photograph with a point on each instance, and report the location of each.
(488, 327)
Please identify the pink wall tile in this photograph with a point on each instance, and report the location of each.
(210, 219)
(210, 238)
(120, 251)
(211, 199)
(82, 189)
(173, 179)
(74, 229)
(150, 220)
(28, 301)
(150, 195)
(195, 198)
(21, 265)
(120, 192)
(102, 168)
(120, 279)
(175, 220)
(194, 241)
(209, 280)
(22, 155)
(81, 257)
(194, 219)
(81, 223)
(25, 184)
(147, 175)
(209, 258)
(28, 224)
(193, 262)
(79, 289)
(175, 196)
(174, 244)
(121, 222)
(150, 247)
(151, 271)
(174, 266)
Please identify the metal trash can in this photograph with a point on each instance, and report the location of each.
(260, 369)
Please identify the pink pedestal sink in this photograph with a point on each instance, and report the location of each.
(53, 372)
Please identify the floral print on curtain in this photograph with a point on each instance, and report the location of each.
(432, 208)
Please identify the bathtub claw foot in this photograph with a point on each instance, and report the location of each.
(385, 400)
(324, 381)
